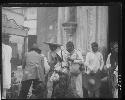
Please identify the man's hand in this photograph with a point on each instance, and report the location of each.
(69, 59)
(81, 68)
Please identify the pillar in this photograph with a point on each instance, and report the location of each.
(92, 26)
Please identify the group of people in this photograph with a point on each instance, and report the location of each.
(66, 74)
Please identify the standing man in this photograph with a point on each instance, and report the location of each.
(6, 64)
(112, 67)
(75, 60)
(52, 61)
(33, 71)
(94, 62)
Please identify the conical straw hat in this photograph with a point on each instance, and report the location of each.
(53, 42)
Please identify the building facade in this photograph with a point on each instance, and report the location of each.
(12, 24)
(47, 18)
(91, 26)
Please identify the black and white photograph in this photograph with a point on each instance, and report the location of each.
(68, 51)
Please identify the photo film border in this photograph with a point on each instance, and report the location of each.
(77, 4)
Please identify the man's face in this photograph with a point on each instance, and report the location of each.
(52, 47)
(94, 48)
(116, 48)
(70, 48)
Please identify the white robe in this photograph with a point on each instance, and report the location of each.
(6, 57)
(94, 61)
(78, 59)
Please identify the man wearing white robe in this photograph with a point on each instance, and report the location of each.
(6, 64)
(76, 59)
(94, 62)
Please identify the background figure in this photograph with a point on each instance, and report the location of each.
(6, 64)
(112, 68)
(33, 71)
(75, 59)
(19, 74)
(94, 62)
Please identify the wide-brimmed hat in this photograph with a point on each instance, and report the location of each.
(91, 82)
(35, 46)
(53, 42)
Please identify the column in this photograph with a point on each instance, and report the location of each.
(66, 15)
(102, 29)
(82, 29)
(70, 24)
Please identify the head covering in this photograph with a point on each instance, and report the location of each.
(69, 43)
(36, 48)
(114, 44)
(91, 82)
(53, 42)
(94, 44)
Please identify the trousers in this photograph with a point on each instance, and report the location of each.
(76, 84)
(26, 86)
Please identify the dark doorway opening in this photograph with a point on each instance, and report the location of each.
(31, 40)
(114, 23)
(114, 35)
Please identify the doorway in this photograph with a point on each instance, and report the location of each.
(114, 24)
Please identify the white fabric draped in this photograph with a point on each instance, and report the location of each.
(6, 57)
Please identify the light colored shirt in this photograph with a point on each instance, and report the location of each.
(94, 61)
